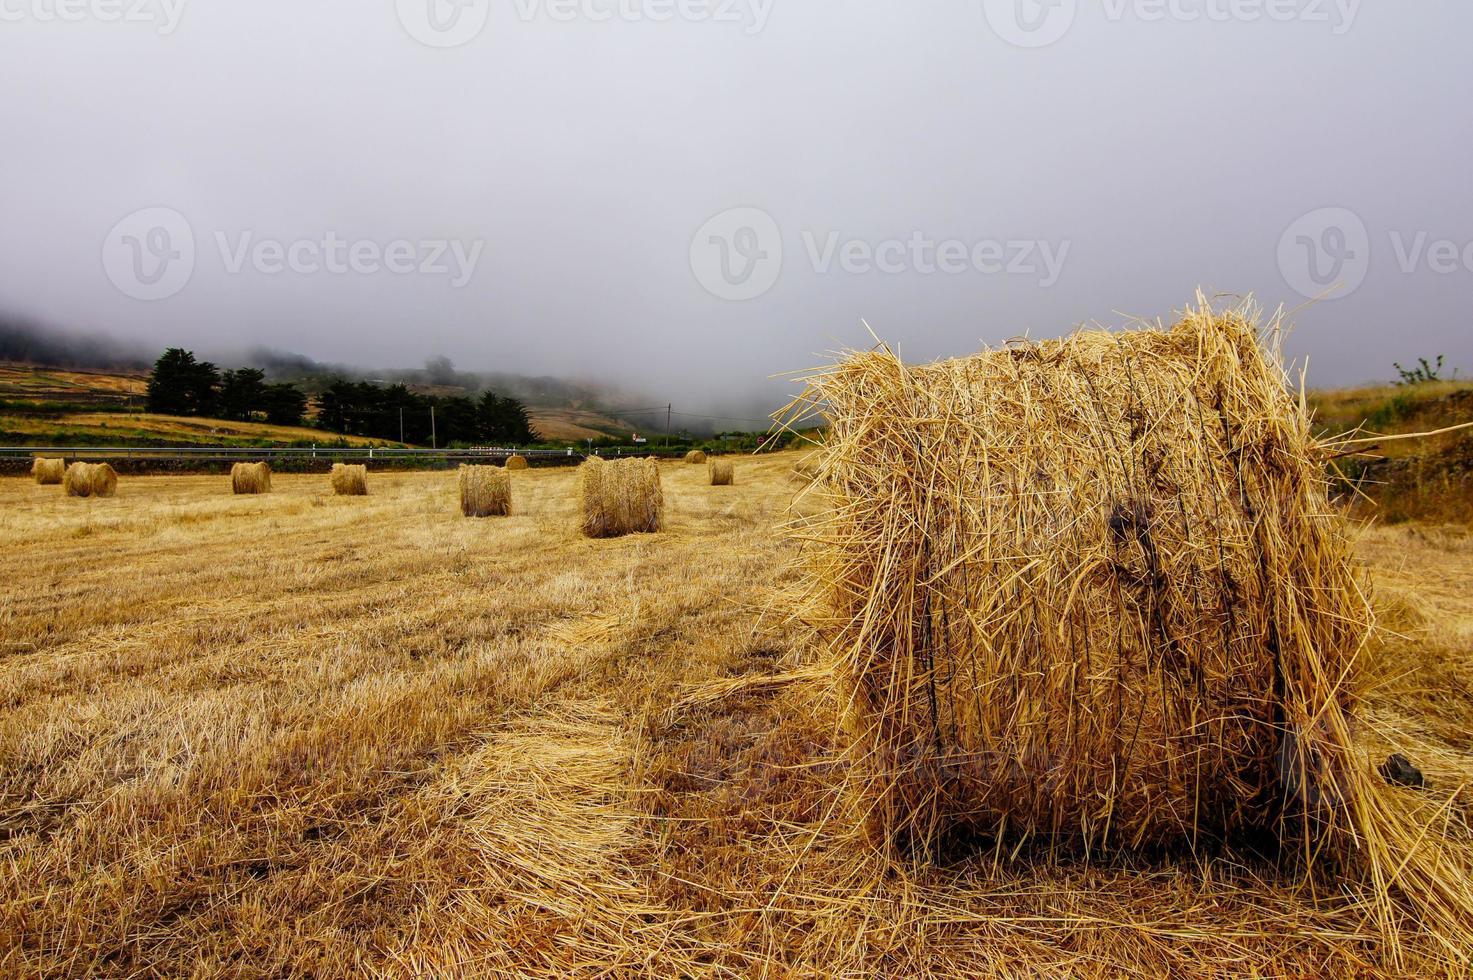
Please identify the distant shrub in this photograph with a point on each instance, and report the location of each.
(1422, 372)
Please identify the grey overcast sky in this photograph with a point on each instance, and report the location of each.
(560, 175)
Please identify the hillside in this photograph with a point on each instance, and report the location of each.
(148, 429)
(1403, 479)
(56, 406)
(50, 386)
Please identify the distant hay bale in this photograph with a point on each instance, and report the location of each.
(1090, 592)
(517, 463)
(695, 456)
(48, 472)
(622, 497)
(485, 491)
(250, 478)
(350, 479)
(90, 480)
(721, 473)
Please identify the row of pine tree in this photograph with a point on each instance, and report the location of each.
(181, 384)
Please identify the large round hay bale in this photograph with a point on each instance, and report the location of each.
(721, 473)
(77, 480)
(485, 491)
(250, 478)
(517, 463)
(621, 497)
(350, 479)
(48, 472)
(90, 480)
(695, 456)
(1087, 591)
(104, 480)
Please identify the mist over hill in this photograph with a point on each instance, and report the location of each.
(31, 342)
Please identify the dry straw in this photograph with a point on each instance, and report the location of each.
(517, 463)
(250, 478)
(720, 471)
(485, 491)
(695, 456)
(350, 479)
(1089, 594)
(48, 472)
(90, 480)
(621, 497)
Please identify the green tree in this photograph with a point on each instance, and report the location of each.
(181, 385)
(242, 394)
(456, 421)
(504, 421)
(284, 404)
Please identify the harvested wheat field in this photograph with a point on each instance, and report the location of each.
(295, 734)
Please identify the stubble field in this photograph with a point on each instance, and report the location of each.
(299, 734)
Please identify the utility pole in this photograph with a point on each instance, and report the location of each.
(433, 443)
(667, 425)
(401, 425)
